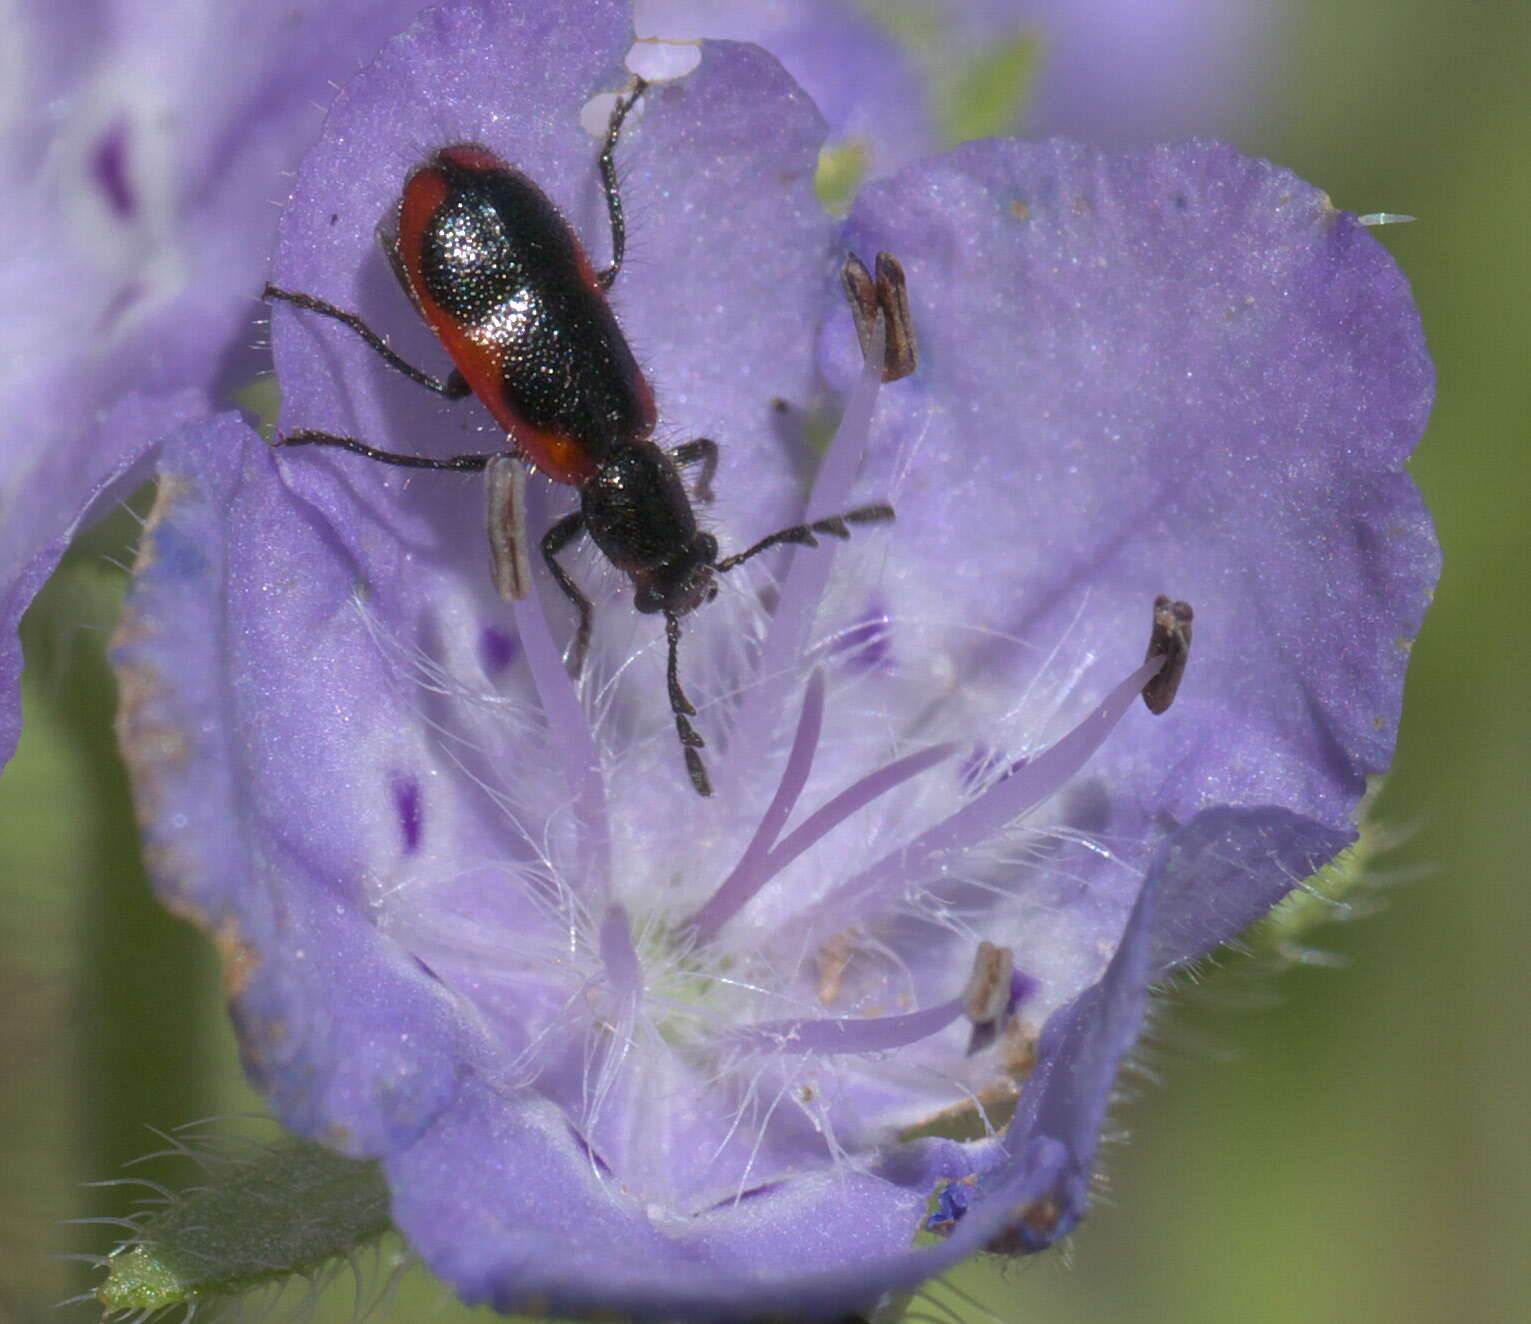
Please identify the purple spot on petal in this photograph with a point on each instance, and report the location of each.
(109, 164)
(406, 800)
(496, 650)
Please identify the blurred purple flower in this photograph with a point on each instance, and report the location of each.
(1121, 71)
(622, 1049)
(1107, 71)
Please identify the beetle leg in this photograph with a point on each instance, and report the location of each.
(554, 541)
(608, 167)
(703, 451)
(453, 388)
(456, 463)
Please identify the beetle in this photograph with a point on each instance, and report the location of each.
(506, 285)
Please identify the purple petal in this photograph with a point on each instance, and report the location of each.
(1225, 869)
(554, 1233)
(704, 196)
(1174, 370)
(349, 1036)
(1111, 71)
(867, 88)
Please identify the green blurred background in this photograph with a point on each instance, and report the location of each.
(1343, 1141)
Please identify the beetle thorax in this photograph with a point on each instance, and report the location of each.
(637, 511)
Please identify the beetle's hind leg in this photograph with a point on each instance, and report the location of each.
(454, 463)
(454, 387)
(554, 541)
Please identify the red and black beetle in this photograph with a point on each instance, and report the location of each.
(504, 282)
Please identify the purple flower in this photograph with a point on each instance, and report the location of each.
(623, 1049)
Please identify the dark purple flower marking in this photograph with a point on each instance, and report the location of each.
(498, 650)
(406, 798)
(111, 168)
(621, 1049)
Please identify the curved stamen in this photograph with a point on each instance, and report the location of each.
(858, 795)
(806, 577)
(978, 821)
(849, 1034)
(855, 797)
(742, 883)
(842, 462)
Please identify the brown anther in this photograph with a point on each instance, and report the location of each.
(1171, 640)
(510, 566)
(986, 999)
(889, 295)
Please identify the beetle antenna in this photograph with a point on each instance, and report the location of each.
(690, 740)
(836, 526)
